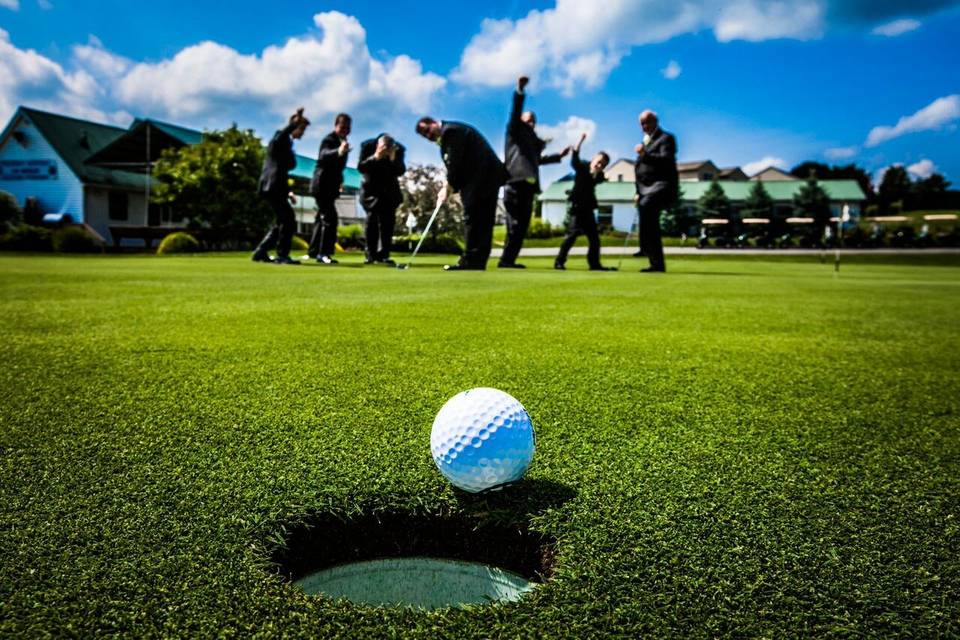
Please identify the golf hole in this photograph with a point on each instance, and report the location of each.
(424, 562)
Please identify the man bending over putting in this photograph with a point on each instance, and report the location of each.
(476, 173)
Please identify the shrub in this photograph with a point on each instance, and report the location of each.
(299, 244)
(544, 230)
(9, 211)
(76, 239)
(351, 237)
(25, 237)
(179, 242)
(441, 243)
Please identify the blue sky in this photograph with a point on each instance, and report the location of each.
(744, 83)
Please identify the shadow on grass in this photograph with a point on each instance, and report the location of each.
(492, 529)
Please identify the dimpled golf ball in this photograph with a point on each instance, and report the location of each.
(482, 439)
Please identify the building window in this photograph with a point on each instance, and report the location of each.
(707, 177)
(118, 205)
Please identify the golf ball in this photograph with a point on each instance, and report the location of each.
(482, 439)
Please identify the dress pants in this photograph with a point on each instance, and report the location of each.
(649, 208)
(479, 214)
(379, 232)
(281, 234)
(324, 239)
(518, 200)
(582, 222)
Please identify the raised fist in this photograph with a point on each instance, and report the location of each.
(522, 83)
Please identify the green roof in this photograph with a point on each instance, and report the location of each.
(76, 140)
(781, 191)
(305, 167)
(184, 135)
(66, 136)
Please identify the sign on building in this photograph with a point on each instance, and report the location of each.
(28, 170)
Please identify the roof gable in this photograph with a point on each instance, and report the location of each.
(75, 140)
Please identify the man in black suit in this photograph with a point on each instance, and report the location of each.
(523, 157)
(582, 216)
(476, 173)
(658, 184)
(325, 189)
(274, 187)
(381, 165)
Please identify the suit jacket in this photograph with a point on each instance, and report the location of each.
(380, 185)
(656, 169)
(472, 165)
(524, 149)
(328, 174)
(277, 164)
(583, 195)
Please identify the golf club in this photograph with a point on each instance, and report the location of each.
(626, 241)
(422, 237)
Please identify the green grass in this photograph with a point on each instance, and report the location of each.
(744, 447)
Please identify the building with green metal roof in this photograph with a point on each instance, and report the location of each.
(77, 171)
(617, 208)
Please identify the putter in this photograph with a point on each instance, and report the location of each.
(626, 241)
(422, 238)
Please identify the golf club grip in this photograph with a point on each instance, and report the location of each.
(423, 236)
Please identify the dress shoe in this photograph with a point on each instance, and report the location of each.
(559, 266)
(370, 261)
(286, 260)
(513, 265)
(326, 260)
(603, 268)
(261, 257)
(388, 261)
(654, 270)
(638, 254)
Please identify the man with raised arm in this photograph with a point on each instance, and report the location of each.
(523, 157)
(274, 187)
(325, 189)
(476, 173)
(582, 206)
(381, 166)
(658, 184)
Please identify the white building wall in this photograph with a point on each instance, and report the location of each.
(97, 205)
(555, 213)
(624, 214)
(61, 193)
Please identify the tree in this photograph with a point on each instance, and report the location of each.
(837, 172)
(813, 202)
(420, 186)
(10, 214)
(894, 188)
(714, 203)
(677, 219)
(758, 204)
(213, 185)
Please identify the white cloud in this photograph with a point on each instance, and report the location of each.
(841, 153)
(672, 70)
(753, 168)
(757, 21)
(938, 113)
(896, 28)
(327, 72)
(923, 169)
(14, 5)
(27, 77)
(568, 131)
(578, 44)
(46, 5)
